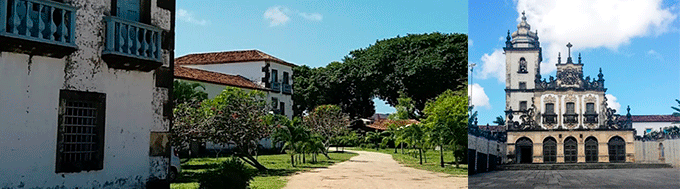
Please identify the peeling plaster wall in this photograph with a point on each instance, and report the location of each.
(30, 101)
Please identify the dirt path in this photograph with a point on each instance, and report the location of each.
(374, 170)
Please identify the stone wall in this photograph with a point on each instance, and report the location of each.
(484, 154)
(660, 151)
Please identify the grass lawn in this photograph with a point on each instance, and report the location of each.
(278, 165)
(432, 163)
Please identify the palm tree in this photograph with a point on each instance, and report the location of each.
(414, 135)
(499, 120)
(677, 109)
(293, 134)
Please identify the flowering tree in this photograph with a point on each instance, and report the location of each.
(327, 121)
(187, 122)
(237, 117)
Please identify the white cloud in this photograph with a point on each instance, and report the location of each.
(493, 66)
(470, 43)
(655, 54)
(612, 103)
(479, 99)
(592, 24)
(276, 16)
(188, 17)
(311, 16)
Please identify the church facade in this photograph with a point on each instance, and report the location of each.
(562, 119)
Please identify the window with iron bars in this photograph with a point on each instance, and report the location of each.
(80, 137)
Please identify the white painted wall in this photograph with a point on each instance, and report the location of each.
(640, 127)
(649, 152)
(250, 70)
(30, 101)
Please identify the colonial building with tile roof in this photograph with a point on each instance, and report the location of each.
(648, 123)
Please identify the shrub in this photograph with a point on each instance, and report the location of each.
(231, 173)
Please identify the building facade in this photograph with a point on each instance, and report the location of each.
(564, 119)
(85, 93)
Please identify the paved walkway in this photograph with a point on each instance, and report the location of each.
(593, 178)
(374, 170)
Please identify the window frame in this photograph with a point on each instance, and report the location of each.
(286, 76)
(522, 85)
(523, 105)
(99, 100)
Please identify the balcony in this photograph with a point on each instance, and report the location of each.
(287, 88)
(132, 45)
(276, 86)
(550, 118)
(590, 118)
(37, 27)
(570, 118)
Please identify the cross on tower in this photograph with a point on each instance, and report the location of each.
(569, 46)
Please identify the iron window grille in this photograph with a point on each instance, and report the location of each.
(80, 138)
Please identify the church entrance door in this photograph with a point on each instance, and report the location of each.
(591, 150)
(570, 150)
(617, 150)
(524, 150)
(549, 150)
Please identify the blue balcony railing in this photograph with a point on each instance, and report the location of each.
(287, 88)
(38, 22)
(132, 45)
(276, 86)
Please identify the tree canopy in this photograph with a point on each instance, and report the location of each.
(417, 66)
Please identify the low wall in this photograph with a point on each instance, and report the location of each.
(659, 151)
(484, 154)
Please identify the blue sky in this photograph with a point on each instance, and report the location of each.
(636, 43)
(312, 33)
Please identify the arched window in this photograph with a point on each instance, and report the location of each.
(522, 66)
(591, 150)
(617, 150)
(549, 150)
(570, 150)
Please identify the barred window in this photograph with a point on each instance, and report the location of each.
(282, 108)
(80, 140)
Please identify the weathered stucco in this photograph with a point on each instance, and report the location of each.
(30, 101)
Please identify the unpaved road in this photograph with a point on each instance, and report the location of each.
(374, 170)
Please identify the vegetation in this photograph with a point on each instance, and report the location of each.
(188, 92)
(231, 173)
(417, 66)
(326, 122)
(677, 109)
(275, 177)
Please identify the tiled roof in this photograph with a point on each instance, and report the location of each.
(382, 124)
(228, 57)
(652, 118)
(214, 77)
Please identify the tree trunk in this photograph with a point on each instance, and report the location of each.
(402, 148)
(292, 160)
(252, 161)
(304, 160)
(421, 155)
(441, 155)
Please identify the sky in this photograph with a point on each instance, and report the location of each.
(635, 42)
(312, 33)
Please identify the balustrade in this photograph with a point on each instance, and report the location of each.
(132, 44)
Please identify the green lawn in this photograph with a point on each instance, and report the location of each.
(279, 168)
(432, 164)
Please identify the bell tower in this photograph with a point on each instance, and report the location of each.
(522, 67)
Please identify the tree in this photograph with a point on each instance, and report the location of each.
(499, 120)
(327, 121)
(677, 109)
(187, 125)
(415, 136)
(419, 66)
(188, 92)
(447, 121)
(405, 109)
(236, 116)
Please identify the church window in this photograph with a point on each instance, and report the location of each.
(570, 108)
(522, 66)
(523, 105)
(549, 108)
(522, 85)
(590, 108)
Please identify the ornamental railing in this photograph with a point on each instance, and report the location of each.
(590, 118)
(570, 118)
(276, 86)
(38, 21)
(287, 88)
(132, 40)
(550, 118)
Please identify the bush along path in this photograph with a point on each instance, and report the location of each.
(374, 170)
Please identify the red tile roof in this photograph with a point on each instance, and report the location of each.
(382, 124)
(652, 118)
(214, 77)
(228, 57)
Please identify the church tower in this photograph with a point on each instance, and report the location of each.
(522, 68)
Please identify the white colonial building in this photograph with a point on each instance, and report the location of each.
(85, 86)
(248, 70)
(560, 120)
